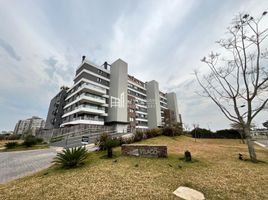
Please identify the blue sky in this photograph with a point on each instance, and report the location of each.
(42, 41)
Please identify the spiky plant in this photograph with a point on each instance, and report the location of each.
(11, 145)
(71, 157)
(109, 144)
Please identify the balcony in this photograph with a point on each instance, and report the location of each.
(87, 109)
(141, 119)
(86, 97)
(92, 88)
(84, 120)
(92, 98)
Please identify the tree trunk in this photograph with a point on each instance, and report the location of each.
(109, 152)
(242, 136)
(250, 144)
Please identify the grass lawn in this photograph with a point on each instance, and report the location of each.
(216, 171)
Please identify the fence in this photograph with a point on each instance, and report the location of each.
(47, 135)
(74, 139)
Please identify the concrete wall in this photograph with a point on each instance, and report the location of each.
(153, 104)
(173, 105)
(117, 111)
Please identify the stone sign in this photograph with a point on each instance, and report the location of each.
(144, 150)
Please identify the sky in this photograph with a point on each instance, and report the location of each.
(42, 42)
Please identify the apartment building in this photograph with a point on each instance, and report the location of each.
(32, 124)
(55, 111)
(108, 95)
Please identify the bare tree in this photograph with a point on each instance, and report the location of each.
(196, 126)
(239, 128)
(238, 82)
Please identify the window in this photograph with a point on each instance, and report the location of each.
(99, 80)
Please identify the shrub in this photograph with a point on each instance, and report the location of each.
(152, 133)
(168, 131)
(100, 142)
(13, 137)
(2, 137)
(138, 136)
(70, 158)
(11, 145)
(178, 131)
(30, 141)
(202, 133)
(39, 140)
(125, 140)
(172, 131)
(227, 133)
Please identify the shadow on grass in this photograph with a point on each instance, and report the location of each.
(192, 161)
(247, 160)
(106, 157)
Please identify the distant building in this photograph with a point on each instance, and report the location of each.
(33, 124)
(55, 111)
(6, 132)
(22, 126)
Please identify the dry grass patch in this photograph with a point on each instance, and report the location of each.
(216, 172)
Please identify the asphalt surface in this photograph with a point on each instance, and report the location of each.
(263, 143)
(17, 164)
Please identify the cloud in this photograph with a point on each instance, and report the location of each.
(162, 40)
(9, 49)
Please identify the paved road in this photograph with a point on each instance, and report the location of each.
(263, 143)
(18, 164)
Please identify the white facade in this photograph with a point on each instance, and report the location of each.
(100, 96)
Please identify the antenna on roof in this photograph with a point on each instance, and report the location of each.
(105, 65)
(83, 58)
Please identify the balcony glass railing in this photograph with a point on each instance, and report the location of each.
(84, 118)
(139, 117)
(91, 86)
(89, 118)
(93, 96)
(85, 94)
(91, 107)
